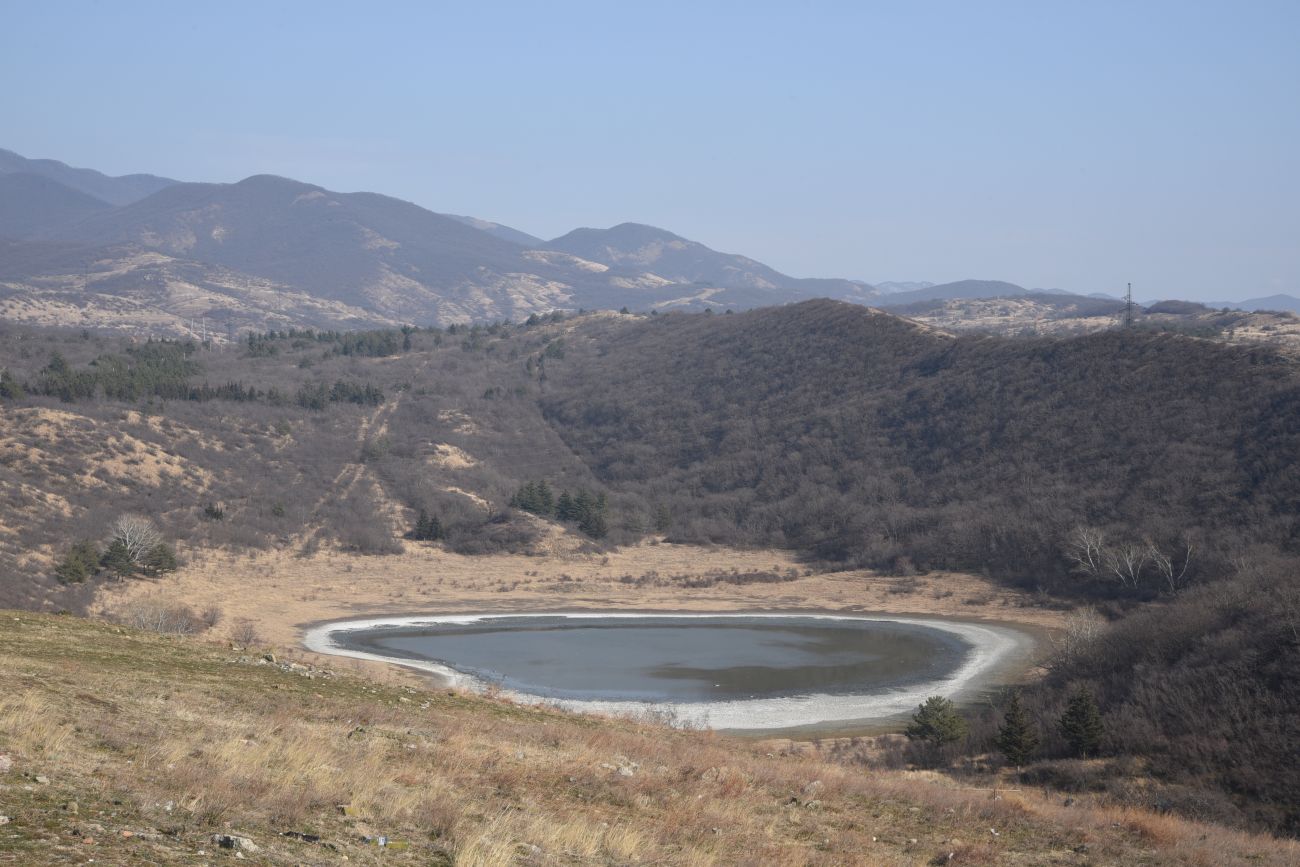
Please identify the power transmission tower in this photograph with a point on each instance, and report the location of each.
(1128, 307)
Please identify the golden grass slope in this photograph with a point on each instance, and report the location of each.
(132, 748)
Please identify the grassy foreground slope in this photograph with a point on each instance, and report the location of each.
(127, 747)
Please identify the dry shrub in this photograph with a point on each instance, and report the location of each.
(162, 616)
(1161, 830)
(967, 853)
(243, 631)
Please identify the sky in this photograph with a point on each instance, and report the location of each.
(1055, 145)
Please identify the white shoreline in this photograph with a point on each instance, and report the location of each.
(991, 649)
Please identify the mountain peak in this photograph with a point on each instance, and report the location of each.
(276, 183)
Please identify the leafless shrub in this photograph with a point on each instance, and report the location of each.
(161, 616)
(244, 632)
(1082, 629)
(210, 616)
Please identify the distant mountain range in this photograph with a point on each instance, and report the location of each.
(82, 248)
(121, 190)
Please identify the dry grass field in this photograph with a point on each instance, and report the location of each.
(123, 747)
(282, 592)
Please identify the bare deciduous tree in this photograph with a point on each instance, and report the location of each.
(1172, 568)
(1125, 563)
(1086, 549)
(1082, 629)
(137, 534)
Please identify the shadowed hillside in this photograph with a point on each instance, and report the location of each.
(857, 435)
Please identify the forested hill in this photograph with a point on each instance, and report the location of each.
(860, 436)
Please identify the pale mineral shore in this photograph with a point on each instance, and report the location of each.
(994, 652)
(282, 595)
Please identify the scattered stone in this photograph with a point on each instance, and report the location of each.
(72, 808)
(42, 779)
(299, 835)
(233, 841)
(269, 657)
(813, 788)
(126, 835)
(89, 841)
(911, 841)
(814, 804)
(5, 820)
(6, 764)
(349, 810)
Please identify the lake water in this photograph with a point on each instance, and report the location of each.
(797, 672)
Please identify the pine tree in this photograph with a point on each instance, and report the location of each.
(594, 525)
(663, 519)
(1081, 724)
(426, 529)
(1017, 738)
(118, 559)
(564, 508)
(81, 561)
(936, 722)
(544, 500)
(9, 387)
(159, 559)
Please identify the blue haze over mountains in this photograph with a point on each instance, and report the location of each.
(374, 259)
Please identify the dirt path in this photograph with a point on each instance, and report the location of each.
(347, 479)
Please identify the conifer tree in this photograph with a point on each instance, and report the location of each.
(564, 510)
(1081, 724)
(1017, 737)
(936, 722)
(159, 559)
(118, 559)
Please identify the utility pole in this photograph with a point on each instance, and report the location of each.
(1128, 307)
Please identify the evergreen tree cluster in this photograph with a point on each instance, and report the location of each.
(937, 722)
(155, 369)
(10, 389)
(318, 396)
(581, 508)
(84, 560)
(365, 344)
(162, 369)
(427, 528)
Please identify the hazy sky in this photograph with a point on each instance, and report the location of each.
(1075, 145)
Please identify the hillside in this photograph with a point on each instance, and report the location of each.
(128, 747)
(1042, 313)
(633, 248)
(34, 204)
(959, 289)
(850, 434)
(858, 435)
